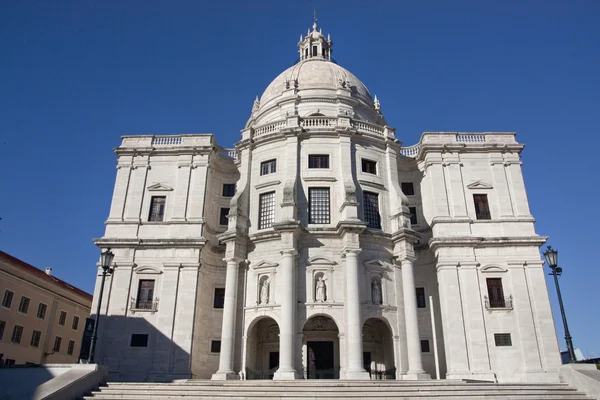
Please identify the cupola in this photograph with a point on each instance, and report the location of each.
(314, 45)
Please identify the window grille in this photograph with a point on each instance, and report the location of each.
(35, 339)
(268, 167)
(266, 210)
(408, 188)
(318, 161)
(482, 209)
(57, 342)
(16, 334)
(368, 166)
(24, 305)
(495, 293)
(371, 210)
(421, 303)
(145, 295)
(219, 299)
(41, 313)
(228, 189)
(223, 220)
(318, 205)
(7, 299)
(502, 339)
(157, 208)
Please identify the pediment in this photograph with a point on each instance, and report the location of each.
(145, 269)
(493, 268)
(159, 187)
(320, 260)
(479, 185)
(377, 264)
(264, 264)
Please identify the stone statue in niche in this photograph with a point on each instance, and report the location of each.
(264, 291)
(376, 292)
(320, 293)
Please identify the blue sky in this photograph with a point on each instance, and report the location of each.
(75, 76)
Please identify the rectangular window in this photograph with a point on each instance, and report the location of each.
(502, 339)
(7, 299)
(421, 303)
(219, 300)
(228, 189)
(71, 347)
(215, 346)
(35, 339)
(145, 294)
(57, 342)
(482, 208)
(408, 188)
(368, 166)
(318, 205)
(41, 313)
(75, 323)
(16, 334)
(223, 220)
(9, 361)
(268, 167)
(425, 346)
(24, 305)
(413, 215)
(157, 208)
(495, 293)
(314, 51)
(266, 212)
(62, 318)
(318, 161)
(2, 328)
(371, 210)
(139, 340)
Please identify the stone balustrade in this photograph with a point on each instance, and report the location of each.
(366, 127)
(410, 151)
(166, 140)
(227, 153)
(318, 122)
(270, 128)
(470, 138)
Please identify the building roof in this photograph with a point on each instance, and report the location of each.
(52, 280)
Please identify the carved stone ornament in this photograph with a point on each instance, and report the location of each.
(376, 291)
(264, 291)
(320, 290)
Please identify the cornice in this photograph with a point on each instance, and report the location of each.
(477, 241)
(149, 243)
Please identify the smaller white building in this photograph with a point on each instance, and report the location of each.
(311, 249)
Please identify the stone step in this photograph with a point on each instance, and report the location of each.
(397, 390)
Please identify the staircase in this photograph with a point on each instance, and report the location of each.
(330, 389)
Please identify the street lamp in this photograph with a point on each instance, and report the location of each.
(105, 261)
(551, 256)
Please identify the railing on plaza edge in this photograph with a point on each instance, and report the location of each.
(378, 375)
(330, 373)
(254, 375)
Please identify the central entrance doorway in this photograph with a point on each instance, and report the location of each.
(320, 348)
(320, 360)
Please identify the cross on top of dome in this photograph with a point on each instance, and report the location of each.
(314, 45)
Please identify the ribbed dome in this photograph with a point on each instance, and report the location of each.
(316, 74)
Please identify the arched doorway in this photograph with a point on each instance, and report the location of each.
(320, 348)
(262, 349)
(378, 349)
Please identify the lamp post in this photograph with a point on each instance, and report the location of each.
(551, 256)
(106, 258)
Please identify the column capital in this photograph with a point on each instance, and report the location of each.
(291, 252)
(233, 259)
(347, 252)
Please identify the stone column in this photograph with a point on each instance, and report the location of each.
(287, 330)
(354, 365)
(413, 340)
(228, 328)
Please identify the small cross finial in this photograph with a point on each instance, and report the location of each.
(315, 16)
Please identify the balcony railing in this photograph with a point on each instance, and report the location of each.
(136, 305)
(498, 304)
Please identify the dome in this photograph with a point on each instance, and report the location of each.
(316, 86)
(316, 74)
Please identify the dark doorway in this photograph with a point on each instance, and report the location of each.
(367, 361)
(320, 360)
(273, 360)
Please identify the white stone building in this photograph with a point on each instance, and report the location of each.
(311, 249)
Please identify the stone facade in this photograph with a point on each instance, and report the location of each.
(320, 262)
